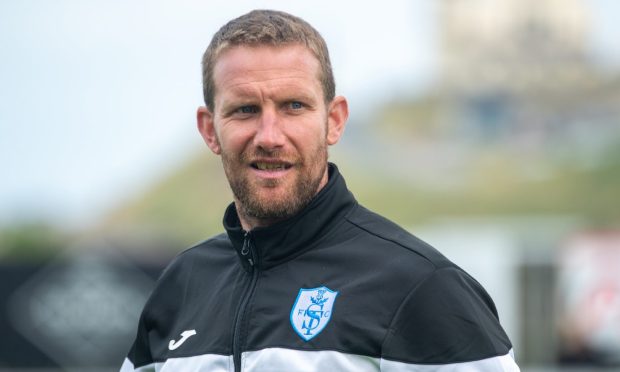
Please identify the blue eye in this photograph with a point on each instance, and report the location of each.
(296, 105)
(247, 110)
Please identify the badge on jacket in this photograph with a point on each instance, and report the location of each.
(312, 311)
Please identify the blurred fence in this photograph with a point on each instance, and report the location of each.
(78, 310)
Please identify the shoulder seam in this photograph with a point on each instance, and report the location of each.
(392, 240)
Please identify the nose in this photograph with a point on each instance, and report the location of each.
(269, 134)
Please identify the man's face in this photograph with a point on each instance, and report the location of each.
(272, 127)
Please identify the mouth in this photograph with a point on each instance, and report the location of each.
(270, 166)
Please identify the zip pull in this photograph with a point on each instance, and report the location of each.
(245, 249)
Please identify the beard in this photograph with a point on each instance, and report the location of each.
(252, 199)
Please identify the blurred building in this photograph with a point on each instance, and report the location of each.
(512, 45)
(520, 71)
(516, 75)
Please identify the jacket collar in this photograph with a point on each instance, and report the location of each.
(286, 239)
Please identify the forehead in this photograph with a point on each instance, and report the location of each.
(241, 66)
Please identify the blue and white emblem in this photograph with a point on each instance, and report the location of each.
(312, 311)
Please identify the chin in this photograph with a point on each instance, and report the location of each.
(270, 194)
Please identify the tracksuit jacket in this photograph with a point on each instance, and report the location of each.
(334, 288)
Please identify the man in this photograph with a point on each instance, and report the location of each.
(304, 279)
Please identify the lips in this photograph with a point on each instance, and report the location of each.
(270, 165)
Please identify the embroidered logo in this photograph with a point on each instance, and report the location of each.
(173, 345)
(312, 311)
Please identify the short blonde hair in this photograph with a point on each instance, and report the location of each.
(266, 27)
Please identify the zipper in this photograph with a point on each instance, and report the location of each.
(248, 253)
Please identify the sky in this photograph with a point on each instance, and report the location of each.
(98, 98)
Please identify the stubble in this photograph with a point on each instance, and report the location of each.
(252, 203)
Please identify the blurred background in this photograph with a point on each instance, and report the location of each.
(489, 128)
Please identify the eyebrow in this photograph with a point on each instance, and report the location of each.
(244, 96)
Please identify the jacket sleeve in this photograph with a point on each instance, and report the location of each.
(447, 323)
(139, 357)
(153, 326)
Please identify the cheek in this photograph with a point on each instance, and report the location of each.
(233, 140)
(311, 145)
(306, 138)
(311, 130)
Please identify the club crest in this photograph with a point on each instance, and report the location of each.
(312, 311)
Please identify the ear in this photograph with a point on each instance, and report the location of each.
(337, 115)
(206, 128)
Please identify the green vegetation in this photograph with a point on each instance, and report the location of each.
(30, 241)
(593, 195)
(186, 206)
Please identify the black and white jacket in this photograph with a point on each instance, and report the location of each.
(335, 288)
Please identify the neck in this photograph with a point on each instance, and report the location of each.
(248, 223)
